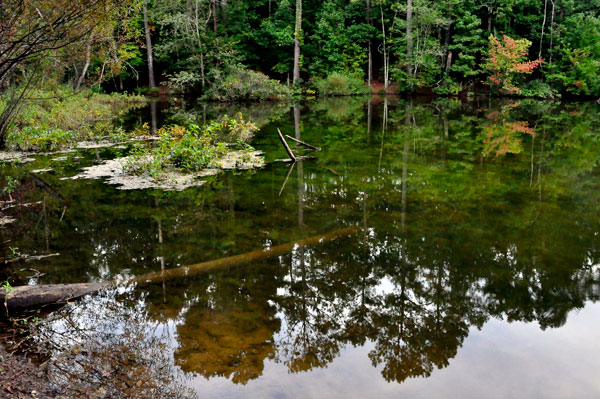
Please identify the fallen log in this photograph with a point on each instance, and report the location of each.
(32, 296)
(242, 259)
(286, 146)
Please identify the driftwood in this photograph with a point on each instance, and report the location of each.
(26, 297)
(286, 146)
(32, 296)
(312, 147)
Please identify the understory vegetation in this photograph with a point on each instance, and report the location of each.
(192, 148)
(340, 84)
(246, 85)
(60, 118)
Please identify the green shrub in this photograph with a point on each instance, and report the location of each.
(540, 89)
(191, 148)
(246, 85)
(40, 138)
(339, 84)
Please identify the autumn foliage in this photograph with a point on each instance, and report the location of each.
(507, 60)
(503, 135)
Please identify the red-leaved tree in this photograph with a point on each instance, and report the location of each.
(507, 60)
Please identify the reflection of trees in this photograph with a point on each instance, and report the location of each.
(450, 240)
(107, 345)
(228, 328)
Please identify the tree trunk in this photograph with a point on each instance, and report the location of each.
(86, 65)
(543, 26)
(552, 30)
(214, 12)
(447, 51)
(32, 296)
(151, 81)
(490, 13)
(385, 55)
(297, 37)
(409, 39)
(370, 65)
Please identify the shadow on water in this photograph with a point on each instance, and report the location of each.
(467, 212)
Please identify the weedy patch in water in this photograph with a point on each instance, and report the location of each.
(181, 155)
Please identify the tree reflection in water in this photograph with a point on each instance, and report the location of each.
(467, 214)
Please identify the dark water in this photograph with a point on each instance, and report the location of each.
(473, 270)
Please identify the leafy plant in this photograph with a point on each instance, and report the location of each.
(10, 186)
(507, 61)
(191, 148)
(245, 85)
(339, 84)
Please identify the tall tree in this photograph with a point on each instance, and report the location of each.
(409, 40)
(370, 65)
(151, 81)
(297, 39)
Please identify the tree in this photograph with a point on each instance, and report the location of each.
(297, 41)
(150, 57)
(507, 61)
(30, 30)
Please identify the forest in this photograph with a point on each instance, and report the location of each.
(299, 198)
(239, 49)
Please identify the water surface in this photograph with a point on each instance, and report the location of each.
(472, 269)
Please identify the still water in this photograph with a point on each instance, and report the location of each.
(453, 251)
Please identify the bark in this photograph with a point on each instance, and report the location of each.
(286, 146)
(552, 29)
(88, 50)
(447, 50)
(370, 65)
(409, 38)
(33, 296)
(448, 61)
(312, 147)
(543, 26)
(386, 70)
(214, 12)
(297, 37)
(151, 81)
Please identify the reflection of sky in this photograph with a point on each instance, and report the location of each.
(503, 360)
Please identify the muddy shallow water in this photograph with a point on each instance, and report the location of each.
(453, 252)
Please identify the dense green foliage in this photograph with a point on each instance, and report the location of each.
(340, 84)
(232, 50)
(447, 48)
(242, 85)
(58, 118)
(190, 148)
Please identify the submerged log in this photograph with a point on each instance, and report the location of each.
(33, 296)
(242, 259)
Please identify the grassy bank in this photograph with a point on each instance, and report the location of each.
(60, 118)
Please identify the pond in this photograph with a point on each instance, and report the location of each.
(432, 248)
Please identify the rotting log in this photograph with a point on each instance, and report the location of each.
(286, 146)
(242, 259)
(33, 296)
(312, 147)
